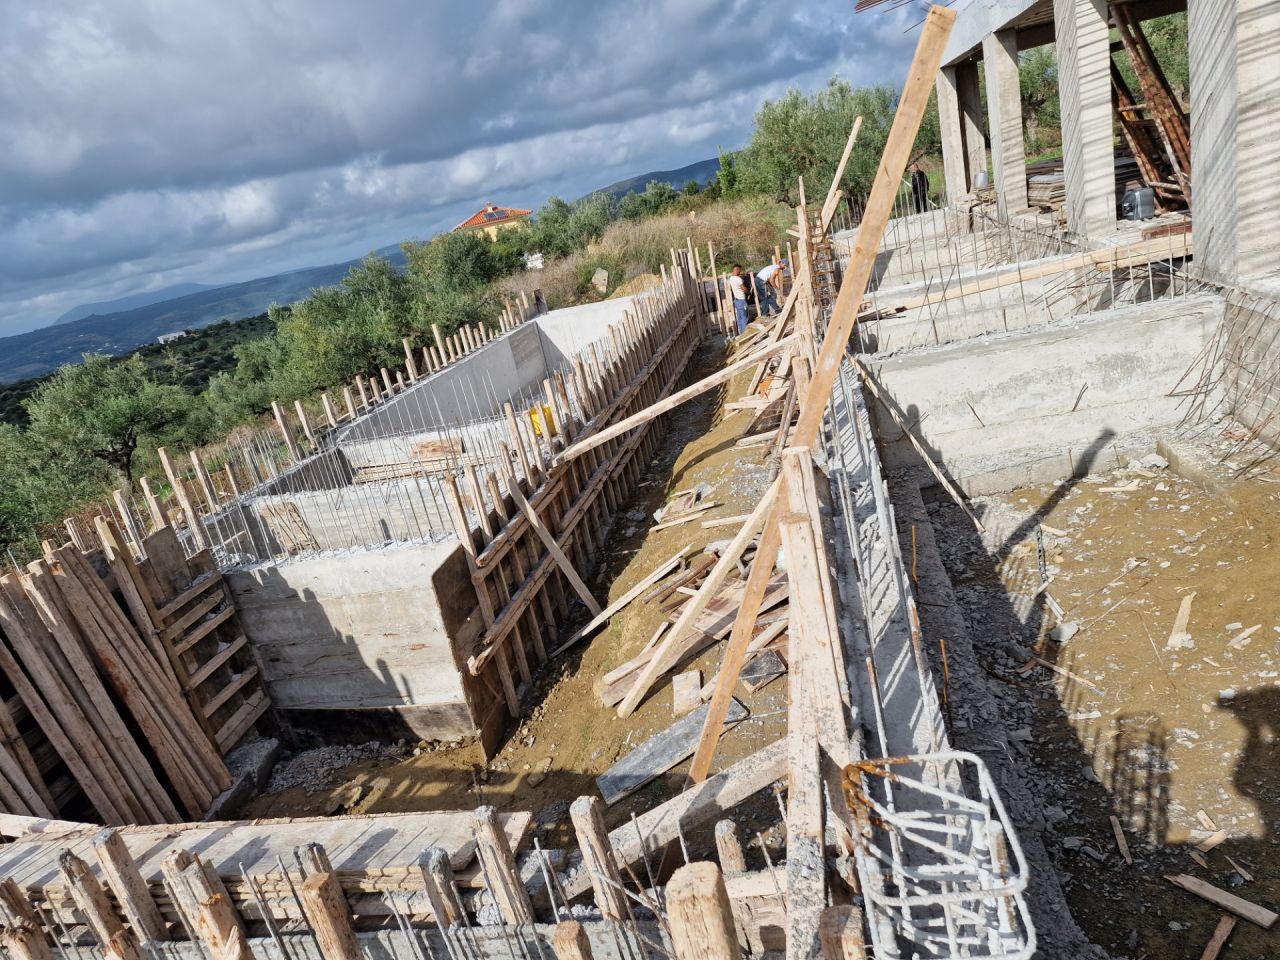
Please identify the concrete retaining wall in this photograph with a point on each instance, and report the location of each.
(375, 631)
(1046, 403)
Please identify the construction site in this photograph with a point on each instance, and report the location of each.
(933, 616)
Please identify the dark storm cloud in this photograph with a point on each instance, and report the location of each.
(145, 143)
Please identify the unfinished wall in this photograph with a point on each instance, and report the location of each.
(370, 630)
(1045, 403)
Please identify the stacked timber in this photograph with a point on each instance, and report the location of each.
(101, 718)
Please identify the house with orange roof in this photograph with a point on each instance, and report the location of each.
(492, 219)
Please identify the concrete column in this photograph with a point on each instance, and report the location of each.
(1234, 48)
(951, 127)
(1004, 109)
(971, 119)
(1084, 89)
(1258, 185)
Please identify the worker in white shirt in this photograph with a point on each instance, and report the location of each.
(768, 283)
(738, 289)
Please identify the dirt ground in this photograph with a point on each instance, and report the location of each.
(1177, 740)
(569, 737)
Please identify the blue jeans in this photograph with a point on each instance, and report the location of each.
(740, 311)
(765, 298)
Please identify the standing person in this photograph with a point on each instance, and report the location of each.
(920, 188)
(768, 283)
(738, 288)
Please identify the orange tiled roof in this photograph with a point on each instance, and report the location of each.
(492, 214)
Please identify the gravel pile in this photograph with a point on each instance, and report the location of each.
(322, 767)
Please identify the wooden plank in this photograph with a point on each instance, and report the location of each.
(1226, 924)
(762, 671)
(187, 595)
(234, 686)
(204, 629)
(549, 541)
(608, 612)
(594, 440)
(700, 804)
(1227, 901)
(878, 210)
(199, 611)
(660, 753)
(662, 659)
(235, 728)
(222, 656)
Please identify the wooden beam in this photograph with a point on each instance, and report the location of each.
(698, 805)
(884, 192)
(729, 848)
(330, 917)
(21, 934)
(117, 943)
(608, 612)
(833, 192)
(570, 941)
(549, 541)
(728, 562)
(670, 403)
(498, 866)
(587, 814)
(699, 915)
(130, 889)
(1227, 901)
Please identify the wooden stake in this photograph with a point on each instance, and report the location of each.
(184, 501)
(502, 878)
(21, 934)
(329, 413)
(215, 922)
(285, 432)
(699, 914)
(442, 890)
(117, 943)
(570, 941)
(329, 914)
(729, 848)
(840, 932)
(1226, 923)
(587, 814)
(301, 411)
(129, 887)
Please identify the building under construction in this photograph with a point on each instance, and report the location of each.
(986, 513)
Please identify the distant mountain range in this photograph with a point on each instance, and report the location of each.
(103, 307)
(702, 172)
(118, 326)
(118, 331)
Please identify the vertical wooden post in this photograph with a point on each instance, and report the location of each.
(206, 906)
(444, 354)
(410, 363)
(442, 890)
(364, 396)
(202, 478)
(126, 518)
(587, 814)
(117, 943)
(729, 848)
(285, 432)
(437, 359)
(840, 934)
(232, 483)
(329, 914)
(329, 413)
(306, 423)
(570, 941)
(499, 868)
(350, 402)
(158, 519)
(699, 915)
(22, 936)
(387, 382)
(129, 887)
(184, 501)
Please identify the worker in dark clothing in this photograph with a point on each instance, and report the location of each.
(920, 188)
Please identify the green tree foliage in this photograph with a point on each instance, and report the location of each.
(803, 135)
(40, 486)
(658, 196)
(105, 408)
(1038, 81)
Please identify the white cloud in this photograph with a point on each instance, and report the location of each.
(143, 144)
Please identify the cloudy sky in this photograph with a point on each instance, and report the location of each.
(151, 142)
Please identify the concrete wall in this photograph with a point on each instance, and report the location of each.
(378, 631)
(1048, 402)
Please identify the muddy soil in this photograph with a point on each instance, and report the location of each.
(1175, 739)
(569, 737)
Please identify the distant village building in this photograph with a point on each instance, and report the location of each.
(493, 219)
(170, 337)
